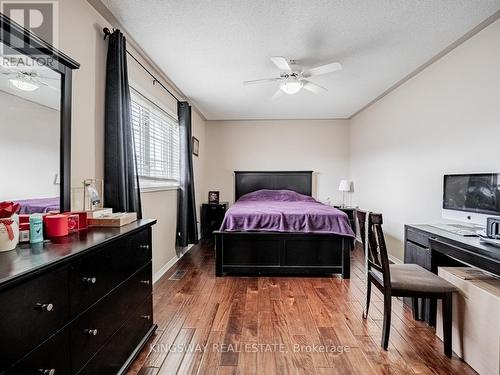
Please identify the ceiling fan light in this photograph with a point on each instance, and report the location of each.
(291, 86)
(22, 84)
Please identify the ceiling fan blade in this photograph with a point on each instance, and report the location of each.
(281, 63)
(49, 78)
(265, 80)
(323, 69)
(46, 84)
(317, 89)
(4, 70)
(277, 94)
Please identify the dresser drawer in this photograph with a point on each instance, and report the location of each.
(30, 312)
(132, 253)
(111, 357)
(97, 274)
(90, 280)
(93, 329)
(51, 358)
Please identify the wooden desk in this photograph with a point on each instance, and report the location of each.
(431, 247)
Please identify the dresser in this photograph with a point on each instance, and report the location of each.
(212, 215)
(81, 304)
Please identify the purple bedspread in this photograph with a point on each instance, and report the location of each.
(38, 205)
(284, 211)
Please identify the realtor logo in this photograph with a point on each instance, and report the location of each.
(39, 17)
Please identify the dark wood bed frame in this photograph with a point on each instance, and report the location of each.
(280, 253)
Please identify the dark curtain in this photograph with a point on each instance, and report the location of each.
(187, 229)
(121, 183)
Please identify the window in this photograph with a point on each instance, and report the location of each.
(156, 136)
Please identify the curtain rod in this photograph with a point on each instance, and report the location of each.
(107, 33)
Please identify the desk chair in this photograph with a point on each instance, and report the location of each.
(400, 280)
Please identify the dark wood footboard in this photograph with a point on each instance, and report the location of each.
(282, 253)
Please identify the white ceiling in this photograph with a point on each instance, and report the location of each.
(48, 95)
(207, 48)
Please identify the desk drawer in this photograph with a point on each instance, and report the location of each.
(93, 329)
(417, 237)
(30, 312)
(97, 274)
(52, 357)
(418, 255)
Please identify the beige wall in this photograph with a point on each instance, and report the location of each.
(81, 38)
(200, 162)
(444, 120)
(318, 145)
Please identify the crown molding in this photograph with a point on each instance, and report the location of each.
(113, 21)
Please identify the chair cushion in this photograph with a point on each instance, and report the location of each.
(412, 277)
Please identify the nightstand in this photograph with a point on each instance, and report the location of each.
(212, 215)
(351, 214)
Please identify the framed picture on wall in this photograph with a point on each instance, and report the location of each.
(196, 146)
(213, 197)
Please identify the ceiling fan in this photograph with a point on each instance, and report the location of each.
(26, 81)
(292, 79)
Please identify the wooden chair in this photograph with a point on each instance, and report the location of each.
(400, 280)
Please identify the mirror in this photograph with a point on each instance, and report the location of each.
(35, 125)
(30, 100)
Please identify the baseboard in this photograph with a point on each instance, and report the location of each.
(392, 258)
(395, 260)
(157, 275)
(184, 251)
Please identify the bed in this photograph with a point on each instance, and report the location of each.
(276, 227)
(39, 205)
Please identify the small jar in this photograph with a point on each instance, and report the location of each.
(24, 232)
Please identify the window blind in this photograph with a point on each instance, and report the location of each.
(156, 137)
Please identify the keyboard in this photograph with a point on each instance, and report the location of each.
(460, 230)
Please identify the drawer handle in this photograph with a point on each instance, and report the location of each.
(144, 247)
(90, 332)
(89, 280)
(45, 307)
(146, 317)
(51, 371)
(145, 282)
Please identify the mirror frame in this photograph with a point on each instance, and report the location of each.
(14, 35)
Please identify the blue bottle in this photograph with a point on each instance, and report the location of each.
(36, 228)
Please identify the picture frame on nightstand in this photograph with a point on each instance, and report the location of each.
(213, 197)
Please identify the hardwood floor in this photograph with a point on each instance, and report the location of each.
(281, 325)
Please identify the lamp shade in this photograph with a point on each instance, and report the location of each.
(344, 185)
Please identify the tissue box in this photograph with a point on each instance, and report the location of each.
(118, 219)
(73, 222)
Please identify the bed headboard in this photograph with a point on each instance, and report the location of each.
(248, 181)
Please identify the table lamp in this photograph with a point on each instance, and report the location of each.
(344, 187)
